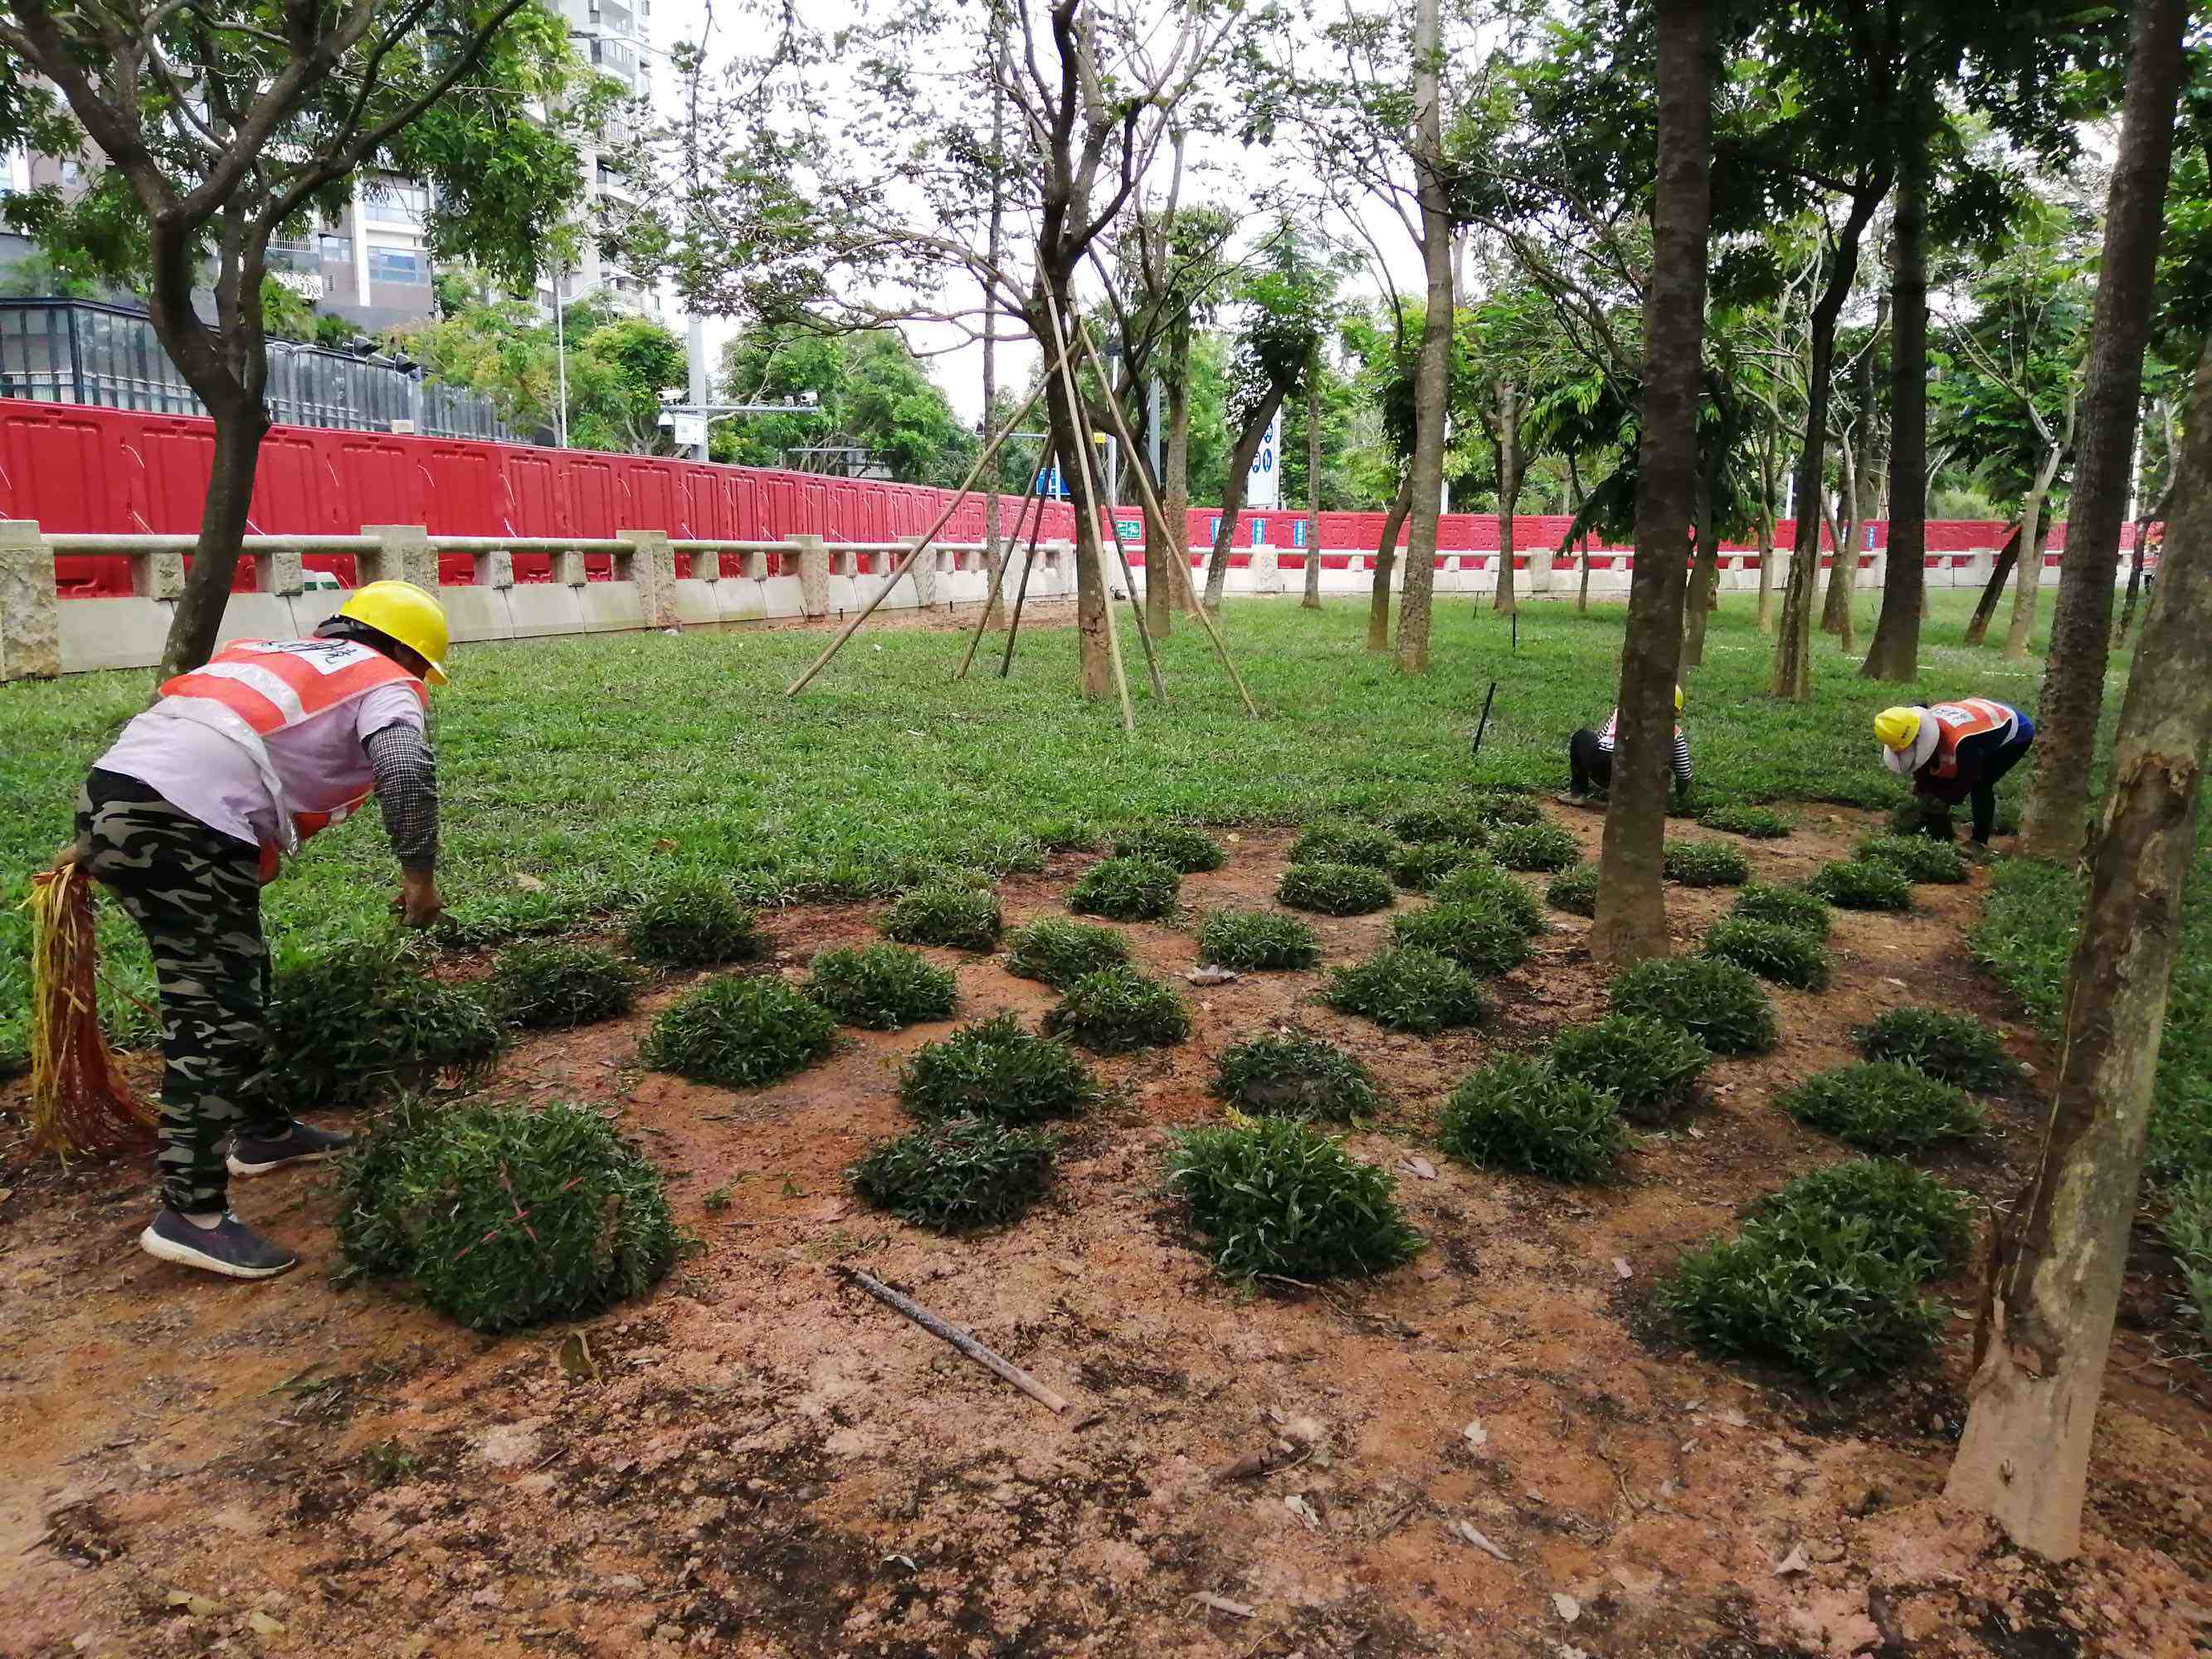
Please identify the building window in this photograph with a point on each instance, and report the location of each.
(337, 249)
(394, 202)
(397, 264)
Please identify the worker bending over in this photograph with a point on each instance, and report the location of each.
(1590, 761)
(185, 818)
(1954, 750)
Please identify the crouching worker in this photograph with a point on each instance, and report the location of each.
(183, 820)
(1590, 761)
(1956, 750)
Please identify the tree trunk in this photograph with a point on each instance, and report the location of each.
(1386, 563)
(2047, 1321)
(1175, 489)
(1704, 576)
(1631, 916)
(1793, 647)
(1232, 496)
(1978, 626)
(1574, 512)
(2028, 570)
(1508, 493)
(1767, 533)
(1432, 377)
(1845, 537)
(198, 623)
(2055, 821)
(1894, 653)
(995, 607)
(1312, 599)
(1092, 618)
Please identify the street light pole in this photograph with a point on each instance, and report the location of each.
(560, 364)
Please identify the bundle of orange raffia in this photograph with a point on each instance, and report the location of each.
(79, 1100)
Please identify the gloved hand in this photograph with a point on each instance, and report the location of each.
(419, 903)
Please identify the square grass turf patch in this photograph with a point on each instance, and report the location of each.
(882, 987)
(1650, 1065)
(1918, 858)
(1854, 884)
(1277, 1196)
(1416, 991)
(1706, 864)
(1772, 950)
(960, 918)
(1721, 1005)
(1127, 890)
(1480, 939)
(1335, 889)
(995, 1069)
(1256, 941)
(693, 923)
(739, 1032)
(1065, 834)
(1058, 953)
(1517, 1114)
(431, 1195)
(1175, 845)
(1444, 823)
(1879, 1106)
(1421, 865)
(1950, 1048)
(363, 1020)
(1486, 884)
(1754, 822)
(1295, 1076)
(1118, 1009)
(549, 986)
(1506, 806)
(1909, 1218)
(1792, 907)
(1574, 891)
(958, 1175)
(1345, 843)
(1542, 846)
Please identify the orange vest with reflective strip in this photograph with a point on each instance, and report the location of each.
(1957, 721)
(259, 687)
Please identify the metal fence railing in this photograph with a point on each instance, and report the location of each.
(80, 351)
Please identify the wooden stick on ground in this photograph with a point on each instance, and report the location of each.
(958, 1338)
(1021, 595)
(1089, 506)
(1035, 499)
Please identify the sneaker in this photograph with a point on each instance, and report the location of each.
(230, 1247)
(302, 1143)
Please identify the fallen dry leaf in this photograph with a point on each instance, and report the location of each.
(1222, 1604)
(1296, 1504)
(1466, 1535)
(1476, 1434)
(574, 1354)
(528, 884)
(262, 1624)
(1209, 975)
(1620, 1267)
(1566, 1606)
(200, 1607)
(1793, 1562)
(1421, 1167)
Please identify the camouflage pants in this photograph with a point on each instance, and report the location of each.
(196, 894)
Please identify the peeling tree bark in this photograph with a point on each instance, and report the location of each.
(2047, 1322)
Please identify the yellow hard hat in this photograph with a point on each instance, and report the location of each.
(1678, 699)
(403, 611)
(1897, 728)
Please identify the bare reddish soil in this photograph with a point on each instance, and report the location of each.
(767, 1463)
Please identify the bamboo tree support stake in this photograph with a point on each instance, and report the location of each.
(1035, 498)
(1152, 506)
(959, 1338)
(1090, 508)
(915, 552)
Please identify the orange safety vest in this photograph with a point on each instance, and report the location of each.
(1612, 723)
(1957, 721)
(254, 687)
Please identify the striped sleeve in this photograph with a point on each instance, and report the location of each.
(1681, 759)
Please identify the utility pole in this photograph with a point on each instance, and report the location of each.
(990, 291)
(559, 360)
(695, 356)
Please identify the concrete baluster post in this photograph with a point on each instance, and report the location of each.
(495, 568)
(705, 567)
(923, 571)
(755, 565)
(30, 610)
(278, 570)
(568, 568)
(814, 574)
(158, 574)
(405, 556)
(1267, 570)
(650, 565)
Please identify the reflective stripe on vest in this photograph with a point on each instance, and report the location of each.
(1604, 738)
(1970, 717)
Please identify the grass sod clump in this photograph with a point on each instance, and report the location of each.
(1918, 857)
(1119, 1009)
(958, 1175)
(1792, 907)
(1650, 1065)
(1343, 843)
(1854, 884)
(430, 1195)
(1912, 1218)
(1506, 806)
(2188, 1230)
(1175, 845)
(1335, 889)
(962, 918)
(1295, 1076)
(1950, 1047)
(351, 1024)
(1275, 1196)
(1127, 890)
(1574, 891)
(546, 986)
(1517, 1114)
(1402, 990)
(1477, 937)
(1928, 818)
(1772, 950)
(696, 923)
(1754, 822)
(1706, 864)
(1544, 847)
(1721, 1005)
(1256, 940)
(995, 1069)
(1879, 1106)
(740, 1032)
(1444, 823)
(1065, 834)
(1486, 884)
(1058, 953)
(1420, 866)
(882, 987)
